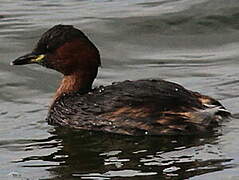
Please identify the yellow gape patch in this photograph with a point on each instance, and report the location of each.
(38, 58)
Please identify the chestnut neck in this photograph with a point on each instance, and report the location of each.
(75, 82)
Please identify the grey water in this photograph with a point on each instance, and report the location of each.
(193, 43)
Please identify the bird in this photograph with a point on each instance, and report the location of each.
(138, 108)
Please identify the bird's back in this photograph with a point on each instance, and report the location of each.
(154, 107)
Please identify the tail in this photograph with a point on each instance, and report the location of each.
(211, 115)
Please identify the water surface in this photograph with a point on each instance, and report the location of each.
(194, 43)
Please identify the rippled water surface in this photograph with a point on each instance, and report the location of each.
(194, 43)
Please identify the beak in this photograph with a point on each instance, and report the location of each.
(29, 59)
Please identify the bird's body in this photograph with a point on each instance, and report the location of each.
(152, 107)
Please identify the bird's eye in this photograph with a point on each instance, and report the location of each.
(48, 48)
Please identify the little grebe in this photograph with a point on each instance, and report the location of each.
(153, 107)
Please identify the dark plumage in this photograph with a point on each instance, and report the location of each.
(154, 107)
(57, 36)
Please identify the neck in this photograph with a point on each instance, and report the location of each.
(78, 81)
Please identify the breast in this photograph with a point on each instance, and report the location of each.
(152, 107)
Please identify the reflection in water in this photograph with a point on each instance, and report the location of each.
(94, 155)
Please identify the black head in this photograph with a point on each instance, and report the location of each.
(62, 48)
(56, 37)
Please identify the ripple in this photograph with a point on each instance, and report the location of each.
(120, 173)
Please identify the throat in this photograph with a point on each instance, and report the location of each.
(76, 82)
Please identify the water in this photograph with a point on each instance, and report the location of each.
(194, 43)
